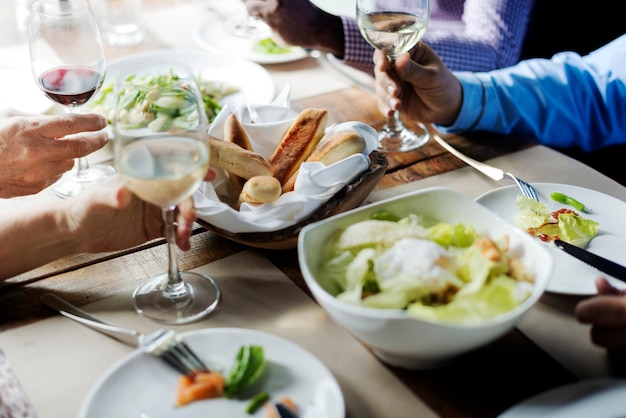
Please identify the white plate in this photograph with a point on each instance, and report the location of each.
(602, 398)
(212, 36)
(254, 82)
(19, 90)
(570, 275)
(143, 386)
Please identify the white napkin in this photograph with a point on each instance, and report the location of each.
(314, 185)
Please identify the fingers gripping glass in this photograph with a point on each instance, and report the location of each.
(162, 153)
(395, 27)
(68, 64)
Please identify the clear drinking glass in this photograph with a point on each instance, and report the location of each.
(68, 64)
(162, 152)
(395, 26)
(247, 26)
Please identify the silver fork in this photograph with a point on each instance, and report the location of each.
(493, 172)
(165, 344)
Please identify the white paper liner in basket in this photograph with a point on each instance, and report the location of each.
(314, 185)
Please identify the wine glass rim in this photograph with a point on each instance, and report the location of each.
(38, 7)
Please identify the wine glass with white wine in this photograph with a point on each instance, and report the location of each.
(162, 150)
(68, 64)
(395, 27)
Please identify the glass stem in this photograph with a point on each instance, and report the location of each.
(82, 170)
(175, 286)
(82, 165)
(394, 122)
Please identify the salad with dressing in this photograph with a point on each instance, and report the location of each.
(435, 271)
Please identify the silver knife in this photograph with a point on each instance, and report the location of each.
(604, 265)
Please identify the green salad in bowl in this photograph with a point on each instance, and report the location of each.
(439, 271)
(423, 277)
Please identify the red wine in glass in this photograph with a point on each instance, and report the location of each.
(70, 85)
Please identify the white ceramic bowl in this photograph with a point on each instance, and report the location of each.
(395, 337)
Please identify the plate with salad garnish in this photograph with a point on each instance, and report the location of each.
(222, 79)
(212, 36)
(255, 370)
(580, 216)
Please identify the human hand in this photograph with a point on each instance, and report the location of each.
(606, 312)
(109, 217)
(35, 152)
(419, 85)
(301, 23)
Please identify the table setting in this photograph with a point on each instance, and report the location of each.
(264, 262)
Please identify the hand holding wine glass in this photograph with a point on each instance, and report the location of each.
(162, 152)
(395, 27)
(68, 64)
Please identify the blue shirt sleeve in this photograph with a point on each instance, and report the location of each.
(566, 101)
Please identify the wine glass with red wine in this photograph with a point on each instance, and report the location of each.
(68, 64)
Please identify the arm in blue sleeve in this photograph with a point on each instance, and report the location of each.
(566, 101)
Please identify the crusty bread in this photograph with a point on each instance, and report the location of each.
(298, 143)
(235, 132)
(236, 160)
(335, 148)
(260, 189)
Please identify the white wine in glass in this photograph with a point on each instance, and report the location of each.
(68, 64)
(162, 153)
(395, 27)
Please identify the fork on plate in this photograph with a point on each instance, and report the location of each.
(165, 344)
(492, 172)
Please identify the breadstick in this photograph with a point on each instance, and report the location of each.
(298, 143)
(238, 161)
(334, 148)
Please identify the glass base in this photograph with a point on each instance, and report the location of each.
(247, 27)
(71, 184)
(196, 297)
(402, 139)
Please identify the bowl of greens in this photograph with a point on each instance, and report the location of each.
(423, 277)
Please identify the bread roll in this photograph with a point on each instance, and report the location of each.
(298, 143)
(236, 160)
(260, 189)
(235, 132)
(335, 148)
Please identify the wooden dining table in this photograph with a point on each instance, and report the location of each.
(546, 350)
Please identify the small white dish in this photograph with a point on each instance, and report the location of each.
(572, 276)
(143, 386)
(211, 35)
(599, 398)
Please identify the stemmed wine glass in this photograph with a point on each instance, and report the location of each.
(161, 150)
(395, 26)
(68, 64)
(247, 26)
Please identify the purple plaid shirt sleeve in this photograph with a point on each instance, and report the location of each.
(468, 35)
(358, 53)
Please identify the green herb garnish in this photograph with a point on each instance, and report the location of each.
(567, 200)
